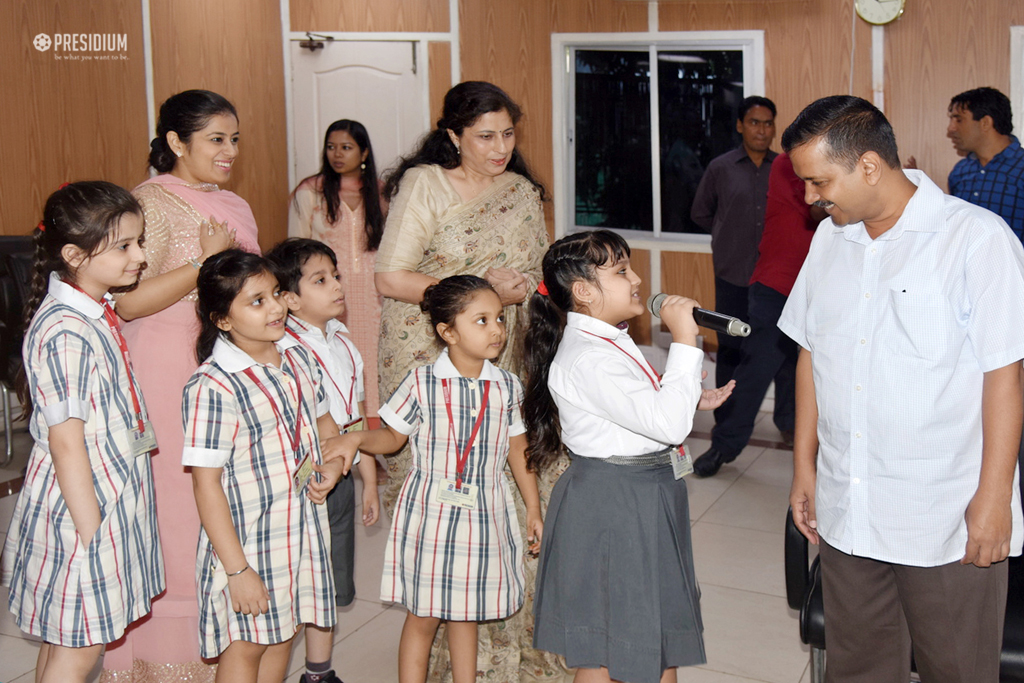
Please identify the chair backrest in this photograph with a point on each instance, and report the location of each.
(796, 554)
(16, 254)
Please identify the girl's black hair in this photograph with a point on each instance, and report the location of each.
(220, 280)
(446, 299)
(82, 214)
(330, 182)
(288, 257)
(184, 113)
(463, 105)
(572, 258)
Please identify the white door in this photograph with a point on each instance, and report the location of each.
(381, 84)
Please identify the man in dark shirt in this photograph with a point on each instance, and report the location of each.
(730, 204)
(768, 354)
(992, 173)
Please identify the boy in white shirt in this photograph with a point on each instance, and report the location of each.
(307, 272)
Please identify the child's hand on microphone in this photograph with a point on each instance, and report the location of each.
(677, 313)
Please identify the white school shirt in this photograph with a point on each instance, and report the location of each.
(901, 330)
(607, 403)
(341, 363)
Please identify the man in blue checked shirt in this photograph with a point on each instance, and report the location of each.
(992, 174)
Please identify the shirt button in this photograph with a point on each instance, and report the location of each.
(857, 435)
(975, 194)
(856, 480)
(867, 295)
(863, 341)
(857, 387)
(873, 250)
(473, 412)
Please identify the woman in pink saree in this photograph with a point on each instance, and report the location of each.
(188, 218)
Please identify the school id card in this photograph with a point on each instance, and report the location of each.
(144, 441)
(355, 425)
(681, 462)
(463, 496)
(303, 475)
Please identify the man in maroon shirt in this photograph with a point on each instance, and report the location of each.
(767, 354)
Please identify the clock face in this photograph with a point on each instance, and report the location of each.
(879, 11)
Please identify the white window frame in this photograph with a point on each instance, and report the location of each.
(563, 46)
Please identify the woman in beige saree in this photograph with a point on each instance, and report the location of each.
(465, 203)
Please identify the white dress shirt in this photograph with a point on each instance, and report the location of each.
(607, 403)
(900, 330)
(342, 365)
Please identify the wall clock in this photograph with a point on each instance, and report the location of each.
(879, 12)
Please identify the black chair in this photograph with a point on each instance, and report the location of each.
(803, 592)
(15, 279)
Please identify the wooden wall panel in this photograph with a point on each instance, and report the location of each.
(234, 48)
(940, 48)
(439, 56)
(375, 15)
(691, 275)
(67, 120)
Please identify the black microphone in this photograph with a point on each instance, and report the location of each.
(719, 322)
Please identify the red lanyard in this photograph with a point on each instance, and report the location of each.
(115, 330)
(323, 366)
(652, 375)
(460, 458)
(296, 438)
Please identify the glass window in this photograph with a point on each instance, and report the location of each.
(699, 94)
(613, 140)
(638, 140)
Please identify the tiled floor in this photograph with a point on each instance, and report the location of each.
(738, 517)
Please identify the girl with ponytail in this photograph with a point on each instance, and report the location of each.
(619, 514)
(82, 556)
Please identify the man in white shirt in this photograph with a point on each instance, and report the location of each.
(909, 405)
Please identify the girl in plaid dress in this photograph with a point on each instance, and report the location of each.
(253, 413)
(82, 557)
(454, 550)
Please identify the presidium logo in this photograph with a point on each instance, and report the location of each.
(84, 46)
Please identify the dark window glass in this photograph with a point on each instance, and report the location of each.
(613, 140)
(699, 93)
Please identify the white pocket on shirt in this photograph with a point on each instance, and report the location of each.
(919, 325)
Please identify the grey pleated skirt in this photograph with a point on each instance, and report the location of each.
(615, 582)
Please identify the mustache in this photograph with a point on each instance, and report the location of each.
(822, 204)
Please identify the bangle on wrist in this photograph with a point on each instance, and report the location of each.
(239, 571)
(195, 263)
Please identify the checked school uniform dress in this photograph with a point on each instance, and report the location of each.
(444, 560)
(232, 423)
(342, 368)
(62, 591)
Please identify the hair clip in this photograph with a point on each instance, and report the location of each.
(542, 289)
(41, 226)
(63, 185)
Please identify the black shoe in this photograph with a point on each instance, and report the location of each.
(328, 677)
(787, 438)
(708, 464)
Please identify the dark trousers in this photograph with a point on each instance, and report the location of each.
(765, 355)
(730, 300)
(873, 610)
(341, 515)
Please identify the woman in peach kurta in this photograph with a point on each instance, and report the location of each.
(188, 218)
(352, 228)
